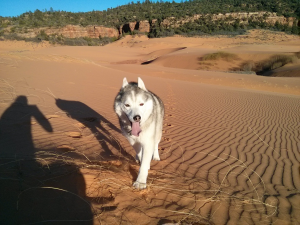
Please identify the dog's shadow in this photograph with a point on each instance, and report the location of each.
(93, 121)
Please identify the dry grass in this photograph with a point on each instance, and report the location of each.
(220, 55)
(248, 66)
(190, 191)
(272, 63)
(110, 182)
(205, 65)
(275, 62)
(111, 179)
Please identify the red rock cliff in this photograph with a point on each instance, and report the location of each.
(75, 31)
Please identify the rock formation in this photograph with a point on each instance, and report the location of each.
(96, 31)
(74, 31)
(268, 17)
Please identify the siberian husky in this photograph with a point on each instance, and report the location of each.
(140, 115)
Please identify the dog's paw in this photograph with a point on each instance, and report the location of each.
(139, 185)
(156, 158)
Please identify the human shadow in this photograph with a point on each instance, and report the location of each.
(15, 127)
(31, 191)
(93, 121)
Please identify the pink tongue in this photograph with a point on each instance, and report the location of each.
(135, 130)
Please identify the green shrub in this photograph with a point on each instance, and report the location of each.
(248, 66)
(12, 36)
(5, 25)
(56, 39)
(75, 42)
(220, 55)
(42, 36)
(13, 29)
(275, 62)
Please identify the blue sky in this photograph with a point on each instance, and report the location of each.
(17, 7)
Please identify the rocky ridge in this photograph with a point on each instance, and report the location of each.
(96, 31)
(74, 31)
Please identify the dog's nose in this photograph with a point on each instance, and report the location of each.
(137, 118)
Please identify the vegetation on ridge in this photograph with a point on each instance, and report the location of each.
(156, 12)
(220, 55)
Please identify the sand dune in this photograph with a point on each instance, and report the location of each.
(191, 57)
(229, 152)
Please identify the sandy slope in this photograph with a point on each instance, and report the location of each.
(229, 153)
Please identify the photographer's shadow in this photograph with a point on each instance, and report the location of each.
(93, 121)
(16, 127)
(31, 191)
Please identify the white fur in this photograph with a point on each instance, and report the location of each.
(146, 144)
(141, 84)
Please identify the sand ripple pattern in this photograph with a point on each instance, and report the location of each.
(12, 58)
(234, 153)
(227, 156)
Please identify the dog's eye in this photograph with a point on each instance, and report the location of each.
(141, 104)
(127, 105)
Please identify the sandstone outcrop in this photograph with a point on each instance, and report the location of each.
(141, 26)
(74, 31)
(96, 31)
(268, 17)
(144, 26)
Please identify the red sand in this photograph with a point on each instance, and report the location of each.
(229, 153)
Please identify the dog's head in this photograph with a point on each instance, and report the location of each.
(135, 101)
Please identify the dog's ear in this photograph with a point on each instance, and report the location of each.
(125, 83)
(141, 84)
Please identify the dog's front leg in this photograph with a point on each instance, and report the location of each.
(141, 181)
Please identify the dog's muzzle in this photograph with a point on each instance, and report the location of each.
(137, 118)
(135, 126)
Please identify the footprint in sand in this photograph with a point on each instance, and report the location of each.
(74, 134)
(48, 117)
(65, 147)
(80, 125)
(166, 139)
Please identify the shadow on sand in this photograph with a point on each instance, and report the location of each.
(32, 191)
(93, 120)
